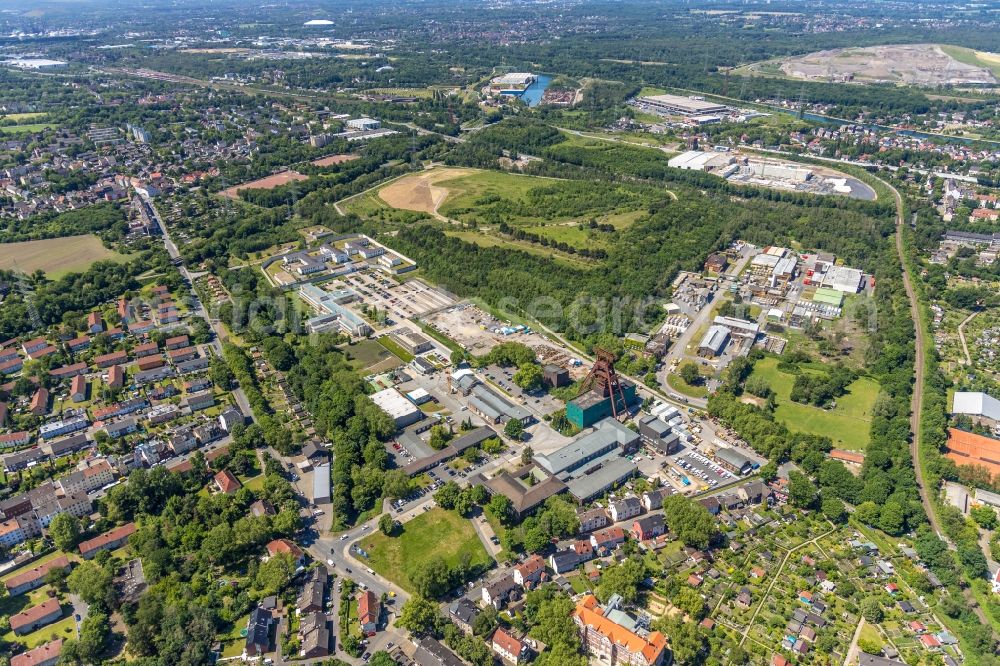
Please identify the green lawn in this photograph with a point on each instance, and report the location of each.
(676, 383)
(435, 533)
(63, 628)
(25, 129)
(467, 191)
(394, 347)
(847, 424)
(366, 353)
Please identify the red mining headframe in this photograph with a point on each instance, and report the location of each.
(603, 378)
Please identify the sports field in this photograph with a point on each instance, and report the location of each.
(847, 424)
(56, 256)
(435, 533)
(266, 183)
(333, 159)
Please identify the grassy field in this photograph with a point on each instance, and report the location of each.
(20, 117)
(847, 424)
(990, 61)
(483, 239)
(25, 129)
(367, 353)
(436, 533)
(676, 383)
(56, 256)
(394, 347)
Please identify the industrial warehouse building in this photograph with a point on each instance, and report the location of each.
(699, 160)
(733, 460)
(592, 463)
(715, 341)
(977, 405)
(395, 404)
(495, 408)
(676, 105)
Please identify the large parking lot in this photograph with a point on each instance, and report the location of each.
(700, 470)
(405, 301)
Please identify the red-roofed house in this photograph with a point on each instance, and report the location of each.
(78, 389)
(509, 649)
(108, 541)
(369, 610)
(116, 376)
(226, 482)
(107, 360)
(279, 546)
(40, 402)
(35, 617)
(930, 641)
(530, 571)
(95, 322)
(43, 655)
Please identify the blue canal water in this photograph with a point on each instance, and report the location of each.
(532, 95)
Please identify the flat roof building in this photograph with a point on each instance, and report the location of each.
(395, 404)
(607, 436)
(676, 105)
(321, 484)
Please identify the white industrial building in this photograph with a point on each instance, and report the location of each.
(700, 160)
(364, 124)
(844, 279)
(395, 404)
(676, 105)
(513, 81)
(976, 404)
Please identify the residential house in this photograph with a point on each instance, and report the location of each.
(284, 546)
(649, 527)
(40, 402)
(314, 635)
(113, 358)
(312, 593)
(258, 633)
(593, 519)
(226, 483)
(369, 610)
(606, 540)
(625, 509)
(36, 617)
(43, 655)
(34, 577)
(501, 591)
(653, 499)
(509, 649)
(78, 389)
(108, 541)
(463, 613)
(529, 572)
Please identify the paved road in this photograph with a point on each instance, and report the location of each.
(199, 308)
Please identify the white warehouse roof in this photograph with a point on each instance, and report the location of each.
(394, 404)
(976, 404)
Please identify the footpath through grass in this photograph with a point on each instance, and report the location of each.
(435, 533)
